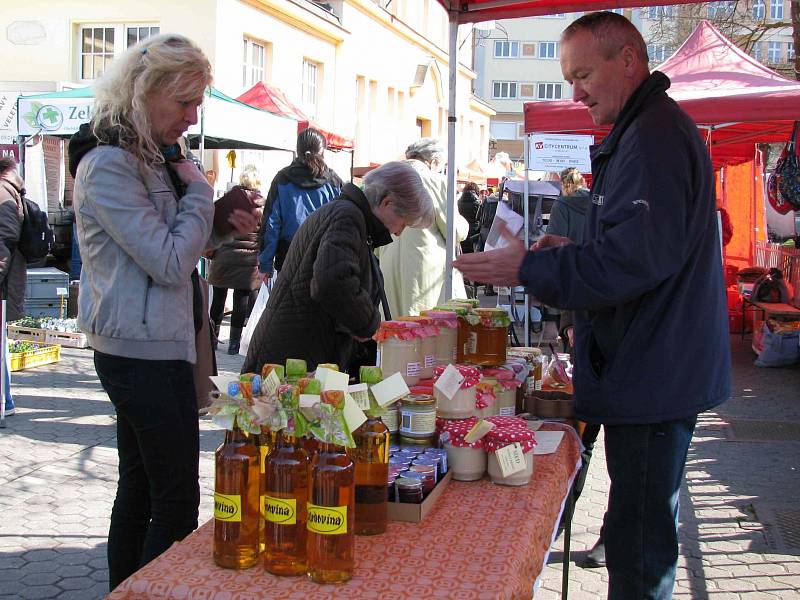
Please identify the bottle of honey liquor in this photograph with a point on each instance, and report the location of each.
(236, 501)
(331, 516)
(265, 441)
(371, 458)
(285, 502)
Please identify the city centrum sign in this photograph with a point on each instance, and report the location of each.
(556, 152)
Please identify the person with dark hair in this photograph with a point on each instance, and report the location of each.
(296, 191)
(645, 284)
(13, 265)
(469, 205)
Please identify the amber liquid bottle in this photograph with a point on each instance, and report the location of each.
(371, 458)
(265, 441)
(236, 501)
(285, 507)
(331, 516)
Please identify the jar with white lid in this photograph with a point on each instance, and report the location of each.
(399, 350)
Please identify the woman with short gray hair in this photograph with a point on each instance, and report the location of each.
(413, 267)
(324, 307)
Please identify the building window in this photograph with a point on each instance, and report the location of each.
(774, 52)
(253, 62)
(100, 44)
(310, 85)
(789, 51)
(720, 9)
(548, 49)
(776, 9)
(506, 49)
(137, 34)
(758, 9)
(503, 130)
(756, 51)
(504, 90)
(657, 52)
(655, 13)
(548, 91)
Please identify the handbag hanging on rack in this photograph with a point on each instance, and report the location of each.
(783, 186)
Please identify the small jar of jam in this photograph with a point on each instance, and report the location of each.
(409, 490)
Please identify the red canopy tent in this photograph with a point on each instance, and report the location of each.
(734, 98)
(475, 11)
(272, 99)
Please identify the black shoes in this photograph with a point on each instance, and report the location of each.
(596, 557)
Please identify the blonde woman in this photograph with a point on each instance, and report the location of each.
(234, 265)
(568, 214)
(144, 215)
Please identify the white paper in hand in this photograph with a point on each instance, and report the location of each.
(505, 217)
(449, 382)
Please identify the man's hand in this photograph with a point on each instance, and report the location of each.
(243, 221)
(265, 277)
(497, 267)
(550, 241)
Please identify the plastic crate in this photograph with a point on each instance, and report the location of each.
(44, 355)
(44, 308)
(43, 284)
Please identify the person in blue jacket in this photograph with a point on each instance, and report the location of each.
(296, 192)
(651, 331)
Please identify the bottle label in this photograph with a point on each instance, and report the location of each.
(228, 507)
(412, 369)
(507, 411)
(282, 511)
(430, 361)
(471, 347)
(418, 422)
(327, 520)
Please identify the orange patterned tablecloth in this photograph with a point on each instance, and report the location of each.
(480, 541)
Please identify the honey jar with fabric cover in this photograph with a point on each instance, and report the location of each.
(398, 344)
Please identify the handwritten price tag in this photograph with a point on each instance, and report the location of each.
(360, 393)
(271, 383)
(449, 382)
(480, 429)
(511, 459)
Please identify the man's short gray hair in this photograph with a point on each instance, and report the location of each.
(611, 31)
(425, 149)
(411, 200)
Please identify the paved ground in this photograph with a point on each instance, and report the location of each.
(739, 516)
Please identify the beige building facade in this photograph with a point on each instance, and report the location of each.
(372, 70)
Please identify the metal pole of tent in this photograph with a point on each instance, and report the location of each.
(450, 239)
(527, 210)
(3, 365)
(202, 146)
(21, 150)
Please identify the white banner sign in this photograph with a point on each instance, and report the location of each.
(53, 116)
(556, 152)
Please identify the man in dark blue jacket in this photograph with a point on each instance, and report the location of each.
(651, 335)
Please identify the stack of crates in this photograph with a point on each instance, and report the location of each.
(41, 292)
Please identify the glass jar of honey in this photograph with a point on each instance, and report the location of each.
(447, 340)
(399, 349)
(462, 404)
(465, 460)
(427, 334)
(331, 515)
(502, 436)
(418, 419)
(236, 501)
(488, 336)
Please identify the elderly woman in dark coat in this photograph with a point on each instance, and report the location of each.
(325, 303)
(234, 266)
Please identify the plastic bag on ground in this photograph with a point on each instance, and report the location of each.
(255, 316)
